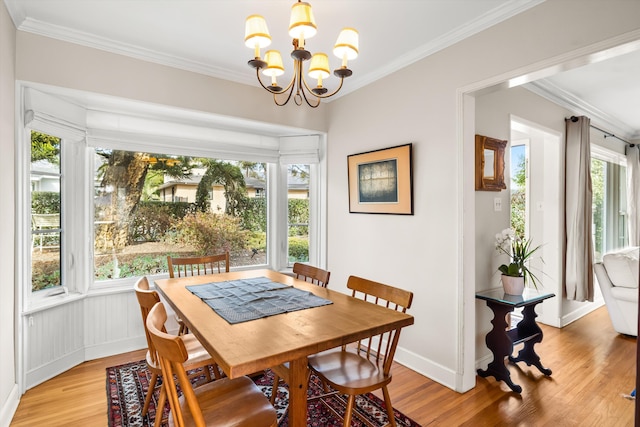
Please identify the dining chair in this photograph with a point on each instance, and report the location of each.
(225, 402)
(197, 356)
(195, 266)
(311, 274)
(366, 366)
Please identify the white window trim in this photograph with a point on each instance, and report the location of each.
(607, 155)
(53, 114)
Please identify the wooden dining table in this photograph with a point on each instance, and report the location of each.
(252, 346)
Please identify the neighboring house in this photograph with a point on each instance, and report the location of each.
(298, 188)
(45, 176)
(185, 189)
(179, 190)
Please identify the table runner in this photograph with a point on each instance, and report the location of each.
(242, 300)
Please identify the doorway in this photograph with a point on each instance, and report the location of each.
(536, 203)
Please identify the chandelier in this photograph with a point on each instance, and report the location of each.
(302, 26)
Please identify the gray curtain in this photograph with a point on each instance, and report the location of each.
(578, 254)
(633, 194)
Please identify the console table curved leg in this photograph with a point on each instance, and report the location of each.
(501, 347)
(529, 328)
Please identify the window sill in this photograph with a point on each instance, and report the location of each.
(48, 301)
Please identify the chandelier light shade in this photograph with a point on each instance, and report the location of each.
(302, 26)
(347, 45)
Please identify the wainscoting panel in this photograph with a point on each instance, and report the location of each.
(113, 324)
(98, 325)
(112, 317)
(51, 336)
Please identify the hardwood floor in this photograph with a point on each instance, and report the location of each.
(592, 365)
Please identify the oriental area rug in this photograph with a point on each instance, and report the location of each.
(127, 387)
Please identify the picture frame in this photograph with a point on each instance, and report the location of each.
(490, 163)
(381, 181)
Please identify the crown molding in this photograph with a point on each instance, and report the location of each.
(471, 28)
(82, 38)
(577, 106)
(70, 35)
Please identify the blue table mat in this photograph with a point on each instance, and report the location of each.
(242, 300)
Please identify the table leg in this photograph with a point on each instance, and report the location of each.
(529, 328)
(500, 345)
(298, 383)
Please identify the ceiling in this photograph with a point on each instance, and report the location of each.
(206, 36)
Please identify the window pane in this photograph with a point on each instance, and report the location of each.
(623, 234)
(519, 189)
(598, 168)
(46, 230)
(608, 180)
(298, 217)
(149, 205)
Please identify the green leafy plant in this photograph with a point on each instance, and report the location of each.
(210, 233)
(298, 249)
(520, 252)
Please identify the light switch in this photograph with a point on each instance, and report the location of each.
(497, 204)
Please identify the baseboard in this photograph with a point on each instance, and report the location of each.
(113, 348)
(9, 407)
(55, 367)
(428, 368)
(580, 312)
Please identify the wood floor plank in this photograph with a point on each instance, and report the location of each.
(593, 367)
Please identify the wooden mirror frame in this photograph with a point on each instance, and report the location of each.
(484, 182)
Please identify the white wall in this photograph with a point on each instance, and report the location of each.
(8, 388)
(421, 104)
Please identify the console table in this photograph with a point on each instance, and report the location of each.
(501, 341)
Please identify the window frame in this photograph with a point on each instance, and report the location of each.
(51, 114)
(72, 169)
(613, 196)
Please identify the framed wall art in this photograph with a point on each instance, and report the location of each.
(490, 163)
(381, 181)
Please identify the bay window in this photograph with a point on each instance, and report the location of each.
(111, 195)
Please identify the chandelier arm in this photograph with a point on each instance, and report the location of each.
(290, 89)
(304, 81)
(304, 95)
(301, 85)
(269, 90)
(326, 95)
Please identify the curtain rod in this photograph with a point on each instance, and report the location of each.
(606, 134)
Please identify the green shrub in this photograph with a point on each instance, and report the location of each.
(298, 249)
(45, 202)
(298, 214)
(253, 214)
(258, 241)
(132, 266)
(152, 220)
(211, 233)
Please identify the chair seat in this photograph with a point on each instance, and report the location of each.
(197, 353)
(198, 356)
(348, 372)
(225, 402)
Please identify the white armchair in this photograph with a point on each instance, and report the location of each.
(617, 276)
